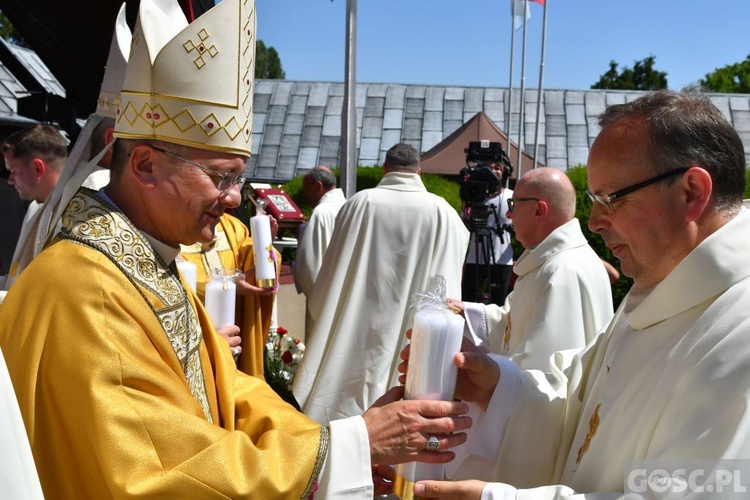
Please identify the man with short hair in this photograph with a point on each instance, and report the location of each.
(388, 244)
(125, 387)
(35, 157)
(319, 188)
(562, 297)
(669, 379)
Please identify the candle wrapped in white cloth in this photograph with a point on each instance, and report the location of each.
(221, 296)
(435, 340)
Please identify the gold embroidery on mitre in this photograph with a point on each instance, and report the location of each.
(217, 50)
(91, 221)
(506, 336)
(593, 425)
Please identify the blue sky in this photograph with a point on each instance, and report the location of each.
(467, 42)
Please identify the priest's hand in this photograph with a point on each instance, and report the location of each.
(232, 335)
(458, 490)
(399, 430)
(382, 479)
(455, 304)
(274, 226)
(245, 287)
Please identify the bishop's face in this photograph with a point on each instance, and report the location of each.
(189, 200)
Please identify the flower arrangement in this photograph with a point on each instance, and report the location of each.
(283, 353)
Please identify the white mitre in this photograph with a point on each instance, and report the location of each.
(114, 72)
(191, 84)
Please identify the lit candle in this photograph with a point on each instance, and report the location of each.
(265, 269)
(221, 294)
(189, 271)
(435, 340)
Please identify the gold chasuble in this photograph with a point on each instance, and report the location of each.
(127, 390)
(234, 249)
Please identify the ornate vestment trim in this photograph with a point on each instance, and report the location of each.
(92, 221)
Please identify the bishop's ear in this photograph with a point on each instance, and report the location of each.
(143, 164)
(697, 187)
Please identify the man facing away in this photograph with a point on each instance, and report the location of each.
(669, 379)
(562, 297)
(389, 242)
(319, 188)
(35, 157)
(124, 386)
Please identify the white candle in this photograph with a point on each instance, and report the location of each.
(189, 271)
(221, 294)
(435, 340)
(265, 270)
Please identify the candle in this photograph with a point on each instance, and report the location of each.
(189, 271)
(265, 269)
(435, 340)
(221, 294)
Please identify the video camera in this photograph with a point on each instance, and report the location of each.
(478, 179)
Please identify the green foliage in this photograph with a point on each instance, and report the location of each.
(9, 33)
(267, 63)
(578, 177)
(731, 79)
(747, 185)
(643, 76)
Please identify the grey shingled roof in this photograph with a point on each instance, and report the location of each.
(10, 90)
(297, 124)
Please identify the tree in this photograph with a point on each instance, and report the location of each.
(267, 63)
(731, 79)
(643, 76)
(9, 33)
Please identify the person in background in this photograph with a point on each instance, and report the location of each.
(35, 157)
(562, 298)
(319, 188)
(232, 249)
(389, 243)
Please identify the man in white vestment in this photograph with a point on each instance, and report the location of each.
(35, 157)
(562, 297)
(669, 379)
(389, 242)
(319, 188)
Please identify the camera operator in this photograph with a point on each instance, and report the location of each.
(500, 252)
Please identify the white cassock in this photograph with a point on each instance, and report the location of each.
(668, 379)
(561, 300)
(24, 250)
(389, 242)
(18, 477)
(314, 242)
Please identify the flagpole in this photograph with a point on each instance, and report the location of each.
(541, 81)
(510, 82)
(349, 112)
(523, 89)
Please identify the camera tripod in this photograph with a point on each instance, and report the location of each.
(484, 256)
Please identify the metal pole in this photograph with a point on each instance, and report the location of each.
(510, 81)
(523, 89)
(541, 84)
(349, 111)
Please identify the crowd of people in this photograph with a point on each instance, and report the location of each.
(118, 384)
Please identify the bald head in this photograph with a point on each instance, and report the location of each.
(317, 182)
(556, 204)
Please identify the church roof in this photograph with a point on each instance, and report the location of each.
(297, 124)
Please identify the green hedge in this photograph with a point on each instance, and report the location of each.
(368, 177)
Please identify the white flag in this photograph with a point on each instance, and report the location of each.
(517, 11)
